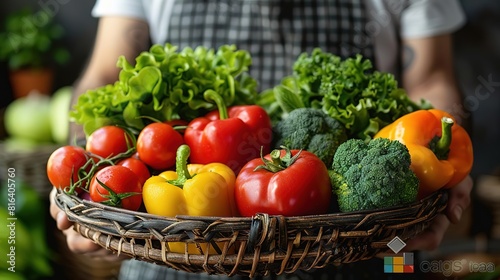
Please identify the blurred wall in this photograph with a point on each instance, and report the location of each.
(477, 64)
(477, 54)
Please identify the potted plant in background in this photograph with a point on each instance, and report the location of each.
(30, 44)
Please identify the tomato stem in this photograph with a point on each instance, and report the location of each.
(114, 199)
(276, 158)
(180, 128)
(72, 186)
(87, 171)
(277, 162)
(211, 95)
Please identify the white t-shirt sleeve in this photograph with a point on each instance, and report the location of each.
(127, 8)
(424, 18)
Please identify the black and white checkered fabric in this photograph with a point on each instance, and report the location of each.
(275, 32)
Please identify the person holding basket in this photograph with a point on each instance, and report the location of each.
(410, 39)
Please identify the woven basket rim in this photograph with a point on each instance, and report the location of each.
(359, 213)
(249, 246)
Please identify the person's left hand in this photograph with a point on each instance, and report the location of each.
(458, 201)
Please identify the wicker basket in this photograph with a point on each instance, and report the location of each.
(249, 246)
(30, 165)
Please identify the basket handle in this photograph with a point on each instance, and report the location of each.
(265, 230)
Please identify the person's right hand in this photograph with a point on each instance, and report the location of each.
(75, 241)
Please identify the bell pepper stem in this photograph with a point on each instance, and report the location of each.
(211, 95)
(181, 169)
(443, 144)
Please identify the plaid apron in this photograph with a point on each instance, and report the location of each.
(275, 32)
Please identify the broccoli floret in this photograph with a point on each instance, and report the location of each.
(311, 130)
(371, 175)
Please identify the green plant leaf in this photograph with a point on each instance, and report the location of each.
(32, 39)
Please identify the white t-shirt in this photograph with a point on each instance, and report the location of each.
(387, 22)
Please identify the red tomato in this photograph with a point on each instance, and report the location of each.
(138, 167)
(157, 145)
(108, 141)
(122, 182)
(302, 188)
(63, 165)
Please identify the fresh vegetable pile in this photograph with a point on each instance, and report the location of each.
(184, 133)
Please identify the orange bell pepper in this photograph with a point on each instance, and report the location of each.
(440, 149)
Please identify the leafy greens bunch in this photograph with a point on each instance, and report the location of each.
(165, 84)
(349, 90)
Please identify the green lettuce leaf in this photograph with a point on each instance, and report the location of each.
(166, 83)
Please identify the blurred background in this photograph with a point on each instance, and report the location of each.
(477, 55)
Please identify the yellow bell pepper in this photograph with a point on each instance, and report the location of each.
(193, 189)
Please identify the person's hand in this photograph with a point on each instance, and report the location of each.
(75, 241)
(458, 201)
